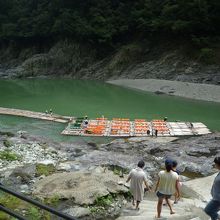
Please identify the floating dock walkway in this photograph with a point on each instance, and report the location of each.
(117, 127)
(140, 127)
(36, 115)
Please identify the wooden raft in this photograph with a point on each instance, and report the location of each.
(139, 127)
(36, 115)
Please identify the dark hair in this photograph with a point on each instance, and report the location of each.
(141, 164)
(168, 161)
(217, 160)
(175, 163)
(169, 167)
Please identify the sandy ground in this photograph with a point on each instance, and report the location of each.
(205, 92)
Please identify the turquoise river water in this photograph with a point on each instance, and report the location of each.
(93, 98)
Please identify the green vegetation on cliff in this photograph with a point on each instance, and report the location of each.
(9, 155)
(108, 21)
(104, 39)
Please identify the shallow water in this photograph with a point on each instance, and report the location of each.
(93, 98)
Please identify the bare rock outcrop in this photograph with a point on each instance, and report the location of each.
(83, 187)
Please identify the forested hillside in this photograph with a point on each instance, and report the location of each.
(120, 27)
(108, 21)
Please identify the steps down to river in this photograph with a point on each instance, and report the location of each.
(196, 194)
(184, 211)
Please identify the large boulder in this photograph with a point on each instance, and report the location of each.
(199, 188)
(25, 173)
(83, 187)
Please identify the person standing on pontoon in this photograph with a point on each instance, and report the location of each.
(85, 121)
(51, 112)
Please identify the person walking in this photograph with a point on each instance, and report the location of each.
(138, 178)
(167, 185)
(213, 206)
(174, 168)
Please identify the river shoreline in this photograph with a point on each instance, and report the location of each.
(204, 92)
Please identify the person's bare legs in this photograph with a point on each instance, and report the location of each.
(177, 198)
(159, 207)
(170, 206)
(133, 203)
(137, 205)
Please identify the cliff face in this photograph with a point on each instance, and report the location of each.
(135, 60)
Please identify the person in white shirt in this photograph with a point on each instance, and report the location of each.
(167, 185)
(137, 177)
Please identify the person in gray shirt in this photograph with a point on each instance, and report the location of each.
(213, 206)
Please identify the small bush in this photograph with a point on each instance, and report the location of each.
(42, 169)
(96, 210)
(201, 41)
(7, 133)
(127, 195)
(207, 55)
(117, 170)
(34, 214)
(101, 204)
(29, 211)
(104, 201)
(52, 201)
(10, 202)
(7, 143)
(127, 54)
(9, 155)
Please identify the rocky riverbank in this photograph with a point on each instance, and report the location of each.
(86, 180)
(205, 92)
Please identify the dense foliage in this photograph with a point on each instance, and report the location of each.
(108, 21)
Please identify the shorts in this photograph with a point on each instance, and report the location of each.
(161, 195)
